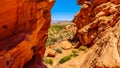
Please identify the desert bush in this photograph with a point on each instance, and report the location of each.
(67, 58)
(64, 59)
(58, 50)
(83, 48)
(74, 53)
(48, 61)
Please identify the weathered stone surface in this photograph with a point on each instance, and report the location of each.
(51, 52)
(94, 18)
(66, 45)
(23, 32)
(98, 25)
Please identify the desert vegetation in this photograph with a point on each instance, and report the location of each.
(60, 31)
(60, 49)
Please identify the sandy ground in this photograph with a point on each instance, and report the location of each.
(72, 63)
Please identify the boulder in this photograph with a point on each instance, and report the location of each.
(51, 53)
(66, 45)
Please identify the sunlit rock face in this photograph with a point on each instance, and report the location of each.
(23, 32)
(94, 18)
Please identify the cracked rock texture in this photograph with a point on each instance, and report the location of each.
(94, 18)
(98, 24)
(23, 32)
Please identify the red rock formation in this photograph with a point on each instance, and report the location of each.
(23, 32)
(94, 18)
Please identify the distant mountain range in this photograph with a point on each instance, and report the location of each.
(65, 21)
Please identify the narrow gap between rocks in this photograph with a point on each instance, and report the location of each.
(60, 46)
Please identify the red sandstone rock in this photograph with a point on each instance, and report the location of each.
(94, 18)
(23, 32)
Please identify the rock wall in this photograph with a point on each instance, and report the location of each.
(94, 18)
(23, 32)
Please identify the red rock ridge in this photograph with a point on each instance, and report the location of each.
(23, 32)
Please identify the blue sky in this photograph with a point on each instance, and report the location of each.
(64, 9)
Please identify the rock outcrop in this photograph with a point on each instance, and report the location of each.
(23, 32)
(98, 24)
(94, 18)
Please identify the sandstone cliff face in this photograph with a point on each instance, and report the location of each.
(23, 32)
(95, 17)
(98, 25)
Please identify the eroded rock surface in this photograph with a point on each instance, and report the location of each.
(94, 18)
(98, 25)
(23, 32)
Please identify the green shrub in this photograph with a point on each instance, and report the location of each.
(82, 48)
(74, 53)
(48, 61)
(58, 50)
(64, 59)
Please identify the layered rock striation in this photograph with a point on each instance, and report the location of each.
(23, 32)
